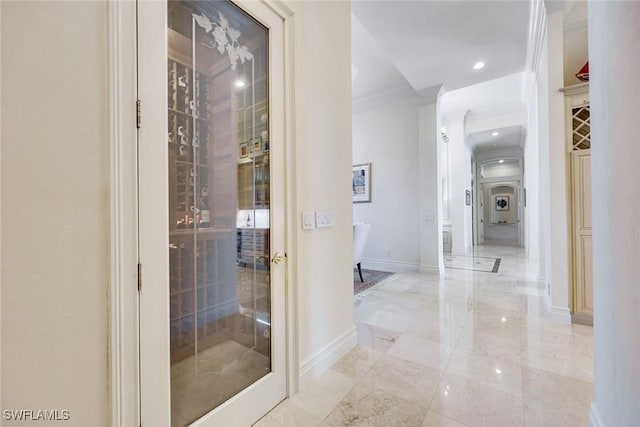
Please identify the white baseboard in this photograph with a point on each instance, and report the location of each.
(327, 356)
(390, 265)
(557, 314)
(431, 269)
(594, 417)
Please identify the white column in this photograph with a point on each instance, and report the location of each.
(556, 203)
(542, 209)
(614, 36)
(460, 182)
(431, 260)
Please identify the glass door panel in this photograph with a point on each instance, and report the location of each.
(219, 215)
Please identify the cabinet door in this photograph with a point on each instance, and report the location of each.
(583, 261)
(212, 321)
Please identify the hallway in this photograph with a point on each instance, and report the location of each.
(472, 348)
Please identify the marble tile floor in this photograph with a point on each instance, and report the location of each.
(476, 263)
(466, 349)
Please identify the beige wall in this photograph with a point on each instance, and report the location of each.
(55, 222)
(55, 205)
(323, 153)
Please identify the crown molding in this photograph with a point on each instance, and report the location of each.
(576, 89)
(378, 98)
(537, 31)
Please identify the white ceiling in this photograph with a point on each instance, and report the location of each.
(374, 68)
(437, 42)
(511, 136)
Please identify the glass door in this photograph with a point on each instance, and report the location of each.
(218, 166)
(225, 318)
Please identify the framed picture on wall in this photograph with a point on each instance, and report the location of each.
(468, 197)
(244, 150)
(361, 184)
(256, 146)
(502, 203)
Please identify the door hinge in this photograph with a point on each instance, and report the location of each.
(139, 277)
(138, 114)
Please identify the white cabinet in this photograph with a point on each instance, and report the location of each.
(578, 123)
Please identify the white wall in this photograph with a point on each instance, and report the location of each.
(614, 88)
(323, 168)
(576, 54)
(55, 209)
(499, 232)
(556, 158)
(460, 215)
(387, 136)
(431, 256)
(543, 210)
(531, 174)
(506, 216)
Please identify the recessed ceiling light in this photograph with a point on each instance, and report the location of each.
(500, 161)
(478, 65)
(498, 371)
(495, 134)
(239, 83)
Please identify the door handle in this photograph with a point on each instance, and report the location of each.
(278, 258)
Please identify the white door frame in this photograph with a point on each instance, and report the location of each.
(514, 178)
(123, 358)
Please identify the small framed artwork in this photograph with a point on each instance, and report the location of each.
(468, 197)
(244, 150)
(361, 185)
(502, 203)
(256, 146)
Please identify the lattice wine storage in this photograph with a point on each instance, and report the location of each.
(581, 128)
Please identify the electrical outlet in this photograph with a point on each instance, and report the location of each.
(308, 220)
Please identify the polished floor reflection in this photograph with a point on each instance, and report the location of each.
(468, 349)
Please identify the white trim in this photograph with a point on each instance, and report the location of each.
(555, 313)
(376, 99)
(537, 30)
(123, 327)
(327, 356)
(576, 89)
(292, 232)
(594, 416)
(390, 265)
(431, 269)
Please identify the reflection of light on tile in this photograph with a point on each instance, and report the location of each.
(446, 393)
(504, 319)
(498, 371)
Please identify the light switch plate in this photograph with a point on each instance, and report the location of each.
(308, 220)
(324, 219)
